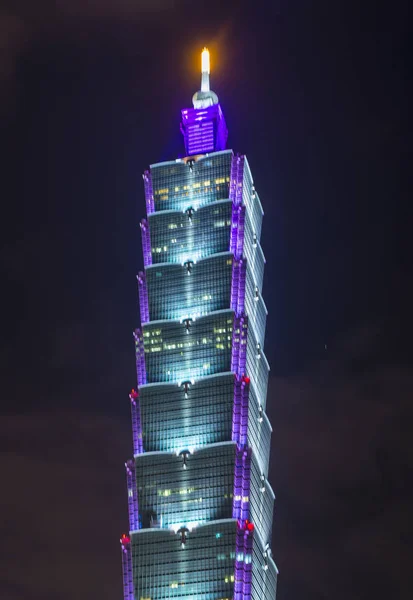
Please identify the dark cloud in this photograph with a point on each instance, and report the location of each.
(120, 9)
(65, 506)
(342, 472)
(24, 25)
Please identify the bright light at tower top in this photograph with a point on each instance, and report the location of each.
(205, 60)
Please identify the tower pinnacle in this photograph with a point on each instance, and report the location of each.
(205, 69)
(205, 97)
(203, 126)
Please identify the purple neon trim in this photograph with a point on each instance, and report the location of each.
(143, 297)
(235, 285)
(241, 287)
(236, 504)
(234, 229)
(136, 426)
(127, 571)
(243, 570)
(150, 202)
(239, 270)
(246, 481)
(146, 243)
(140, 357)
(235, 346)
(242, 478)
(240, 412)
(237, 176)
(243, 346)
(240, 232)
(239, 565)
(132, 495)
(247, 579)
(239, 349)
(236, 411)
(236, 245)
(243, 434)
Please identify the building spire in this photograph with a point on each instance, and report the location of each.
(203, 126)
(205, 69)
(205, 97)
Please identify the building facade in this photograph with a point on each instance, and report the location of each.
(200, 504)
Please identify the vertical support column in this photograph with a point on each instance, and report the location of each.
(235, 285)
(241, 286)
(243, 560)
(143, 297)
(236, 411)
(243, 430)
(239, 269)
(240, 232)
(127, 567)
(136, 423)
(246, 480)
(239, 345)
(236, 336)
(236, 501)
(150, 202)
(240, 411)
(242, 478)
(236, 179)
(248, 542)
(236, 244)
(239, 563)
(234, 229)
(132, 495)
(140, 357)
(243, 329)
(146, 243)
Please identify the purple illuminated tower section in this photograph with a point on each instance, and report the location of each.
(203, 126)
(199, 501)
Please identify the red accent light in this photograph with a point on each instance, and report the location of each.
(134, 393)
(125, 539)
(250, 526)
(245, 379)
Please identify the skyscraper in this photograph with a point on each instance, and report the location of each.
(200, 504)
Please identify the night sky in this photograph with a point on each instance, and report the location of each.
(316, 93)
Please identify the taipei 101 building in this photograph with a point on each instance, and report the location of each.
(200, 504)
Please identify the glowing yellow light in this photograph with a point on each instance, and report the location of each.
(205, 60)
